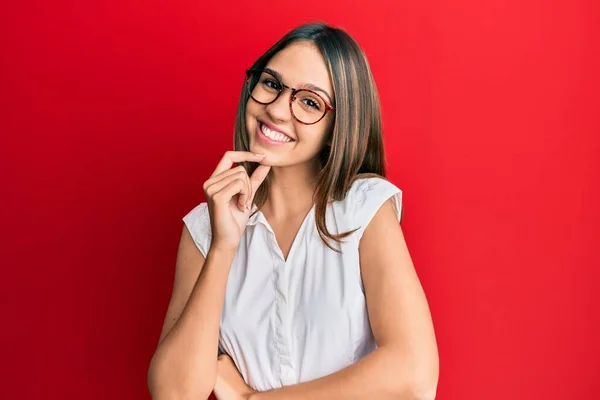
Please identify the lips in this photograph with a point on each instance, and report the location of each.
(275, 133)
(271, 137)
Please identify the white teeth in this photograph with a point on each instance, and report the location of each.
(274, 135)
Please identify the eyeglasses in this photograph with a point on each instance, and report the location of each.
(307, 106)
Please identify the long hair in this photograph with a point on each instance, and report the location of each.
(356, 149)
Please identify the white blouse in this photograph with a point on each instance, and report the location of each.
(286, 322)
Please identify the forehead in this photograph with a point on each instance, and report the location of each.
(301, 63)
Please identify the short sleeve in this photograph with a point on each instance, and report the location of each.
(366, 197)
(198, 224)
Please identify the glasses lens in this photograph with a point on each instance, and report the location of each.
(308, 106)
(263, 87)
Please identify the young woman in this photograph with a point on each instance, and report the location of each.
(293, 280)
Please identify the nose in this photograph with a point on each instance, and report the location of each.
(279, 110)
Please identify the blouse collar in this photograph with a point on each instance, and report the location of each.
(257, 217)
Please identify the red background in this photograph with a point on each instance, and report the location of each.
(114, 113)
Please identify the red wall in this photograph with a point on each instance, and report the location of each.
(112, 116)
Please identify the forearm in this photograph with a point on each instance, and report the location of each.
(185, 362)
(382, 374)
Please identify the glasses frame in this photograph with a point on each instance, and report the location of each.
(294, 91)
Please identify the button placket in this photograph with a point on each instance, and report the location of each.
(282, 317)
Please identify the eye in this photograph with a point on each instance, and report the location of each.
(271, 84)
(311, 103)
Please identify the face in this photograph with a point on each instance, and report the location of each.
(272, 128)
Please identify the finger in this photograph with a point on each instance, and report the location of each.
(217, 187)
(225, 195)
(243, 199)
(231, 157)
(239, 171)
(258, 177)
(217, 178)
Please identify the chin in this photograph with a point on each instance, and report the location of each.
(271, 160)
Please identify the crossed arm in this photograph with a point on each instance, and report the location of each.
(405, 364)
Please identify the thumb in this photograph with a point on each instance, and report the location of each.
(258, 177)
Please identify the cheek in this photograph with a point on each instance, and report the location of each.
(315, 137)
(248, 110)
(250, 115)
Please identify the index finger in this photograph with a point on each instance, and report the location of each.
(257, 178)
(231, 157)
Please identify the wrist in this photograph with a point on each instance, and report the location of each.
(222, 253)
(253, 396)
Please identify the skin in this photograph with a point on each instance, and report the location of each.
(405, 364)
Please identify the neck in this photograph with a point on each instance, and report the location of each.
(291, 191)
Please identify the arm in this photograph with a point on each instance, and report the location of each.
(405, 363)
(184, 364)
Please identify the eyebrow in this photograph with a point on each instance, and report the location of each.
(304, 86)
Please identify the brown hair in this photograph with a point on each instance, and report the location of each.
(356, 149)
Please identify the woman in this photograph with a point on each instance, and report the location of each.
(293, 280)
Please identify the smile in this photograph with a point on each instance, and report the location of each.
(271, 136)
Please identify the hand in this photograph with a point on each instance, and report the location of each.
(229, 194)
(230, 385)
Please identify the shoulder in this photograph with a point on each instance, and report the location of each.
(366, 196)
(197, 222)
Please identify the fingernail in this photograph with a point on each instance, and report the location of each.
(260, 155)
